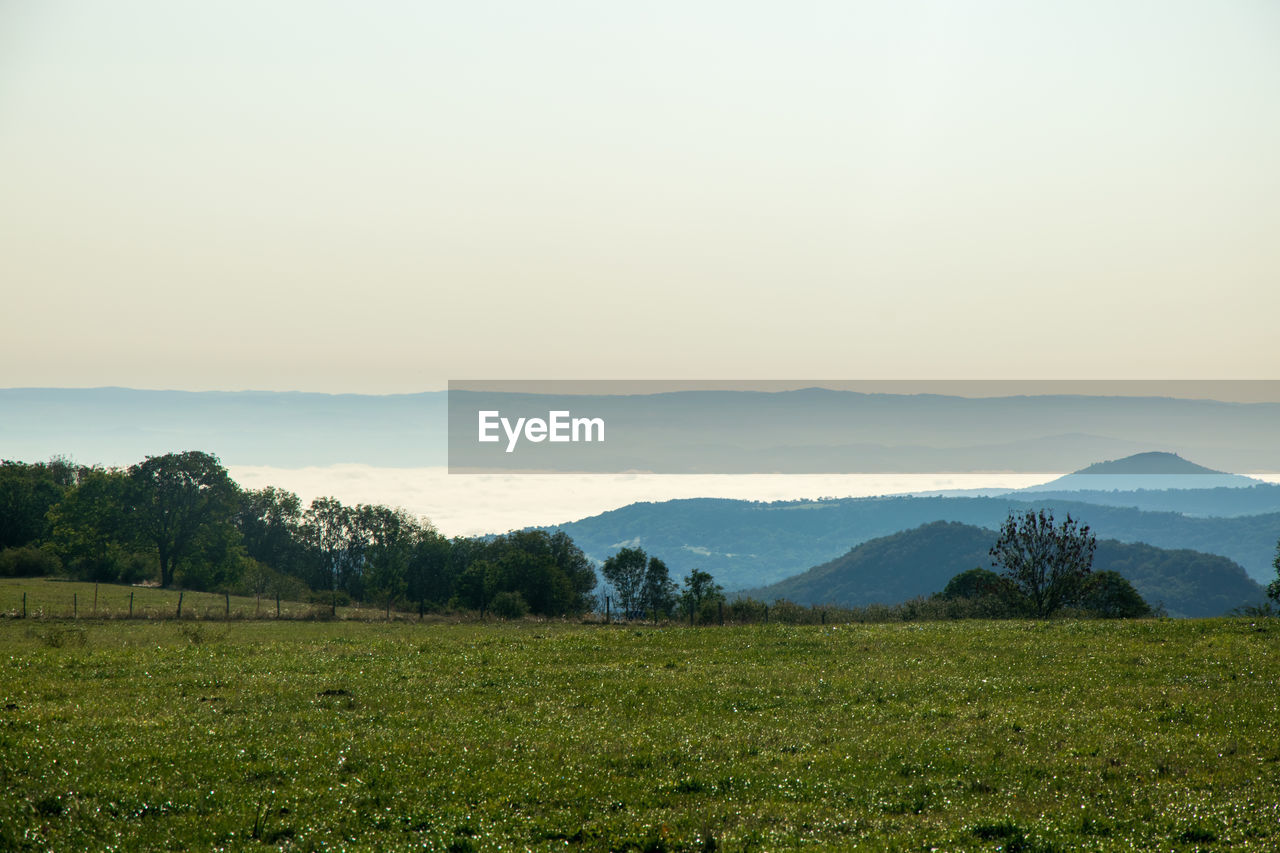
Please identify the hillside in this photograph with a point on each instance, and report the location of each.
(1223, 501)
(894, 568)
(751, 544)
(1150, 471)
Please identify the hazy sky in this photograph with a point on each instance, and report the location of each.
(382, 196)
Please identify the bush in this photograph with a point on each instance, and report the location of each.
(1110, 596)
(326, 597)
(28, 562)
(509, 605)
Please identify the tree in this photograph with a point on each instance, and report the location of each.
(625, 572)
(1273, 589)
(390, 537)
(974, 583)
(700, 590)
(1046, 562)
(577, 568)
(89, 526)
(1111, 596)
(332, 530)
(27, 493)
(430, 578)
(658, 593)
(183, 504)
(270, 522)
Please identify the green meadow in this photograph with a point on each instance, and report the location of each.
(335, 735)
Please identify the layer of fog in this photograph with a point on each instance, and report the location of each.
(470, 504)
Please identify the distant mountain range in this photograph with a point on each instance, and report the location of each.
(820, 430)
(749, 544)
(120, 426)
(813, 430)
(919, 562)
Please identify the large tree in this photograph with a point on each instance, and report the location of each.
(700, 588)
(1046, 562)
(625, 572)
(392, 536)
(27, 492)
(182, 504)
(333, 530)
(91, 528)
(658, 595)
(270, 520)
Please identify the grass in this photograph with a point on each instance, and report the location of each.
(1009, 736)
(50, 598)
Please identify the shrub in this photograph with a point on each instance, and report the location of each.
(509, 605)
(28, 562)
(326, 597)
(1109, 595)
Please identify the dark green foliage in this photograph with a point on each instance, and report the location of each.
(430, 577)
(270, 523)
(1109, 595)
(700, 592)
(27, 492)
(625, 573)
(509, 605)
(658, 595)
(1047, 562)
(183, 505)
(550, 573)
(28, 562)
(974, 583)
(92, 533)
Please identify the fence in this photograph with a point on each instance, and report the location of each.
(47, 599)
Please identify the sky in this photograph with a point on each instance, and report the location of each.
(381, 197)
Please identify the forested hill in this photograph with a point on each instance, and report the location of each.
(917, 562)
(751, 544)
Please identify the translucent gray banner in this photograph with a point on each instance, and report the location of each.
(861, 427)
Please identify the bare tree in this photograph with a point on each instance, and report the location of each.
(1045, 561)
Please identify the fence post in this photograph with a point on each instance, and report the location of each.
(130, 604)
(766, 614)
(824, 617)
(95, 599)
(228, 595)
(277, 604)
(606, 610)
(388, 609)
(24, 605)
(180, 604)
(333, 607)
(721, 612)
(75, 606)
(691, 615)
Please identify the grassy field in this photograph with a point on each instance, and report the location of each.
(59, 599)
(351, 735)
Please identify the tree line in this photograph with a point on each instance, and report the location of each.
(181, 520)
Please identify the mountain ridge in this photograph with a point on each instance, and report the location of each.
(919, 562)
